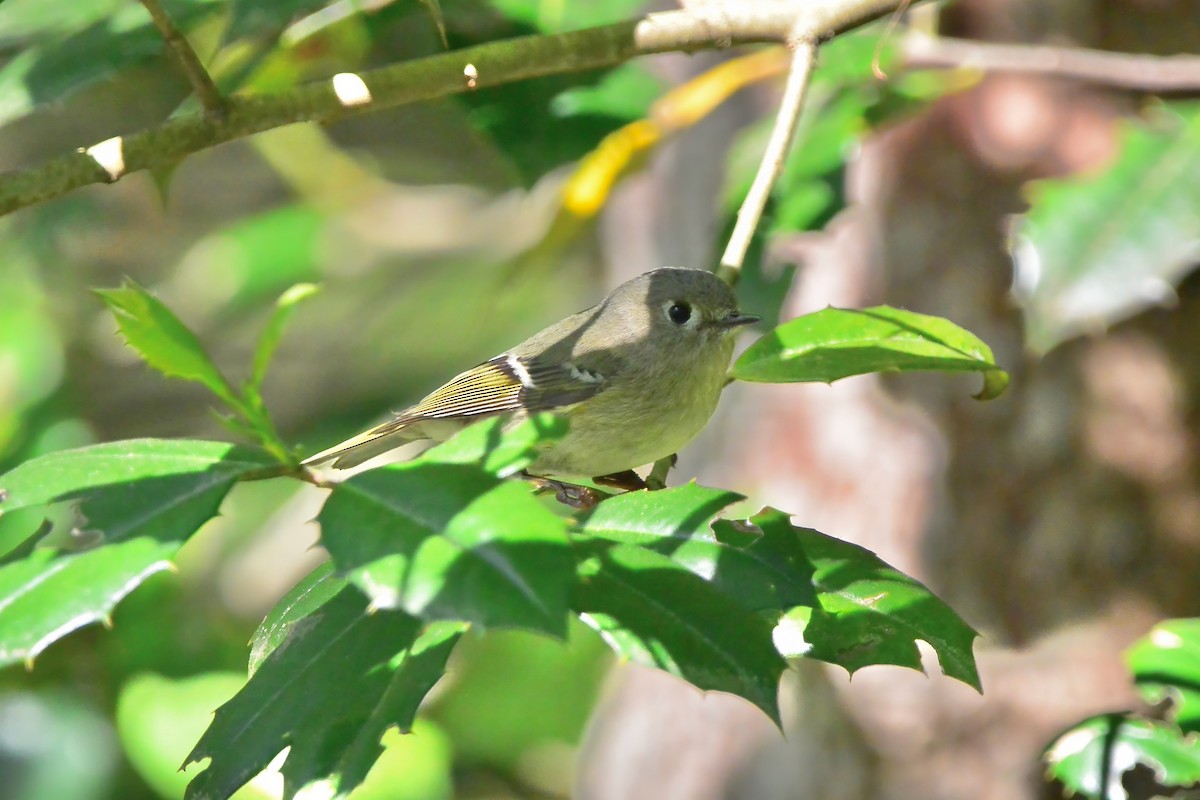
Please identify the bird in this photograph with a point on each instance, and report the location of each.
(636, 377)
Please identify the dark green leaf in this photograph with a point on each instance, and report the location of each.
(870, 613)
(139, 500)
(837, 343)
(254, 19)
(766, 569)
(1077, 757)
(1166, 663)
(653, 611)
(443, 538)
(422, 666)
(1098, 248)
(316, 692)
(163, 341)
(313, 591)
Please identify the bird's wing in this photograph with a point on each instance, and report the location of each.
(505, 383)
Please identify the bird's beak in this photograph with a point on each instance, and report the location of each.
(737, 319)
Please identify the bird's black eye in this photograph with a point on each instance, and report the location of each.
(679, 313)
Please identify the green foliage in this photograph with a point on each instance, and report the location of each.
(451, 540)
(1095, 249)
(421, 550)
(73, 46)
(650, 610)
(836, 343)
(869, 613)
(170, 347)
(137, 501)
(1166, 666)
(1090, 758)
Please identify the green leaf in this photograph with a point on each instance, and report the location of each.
(159, 720)
(163, 341)
(313, 591)
(254, 19)
(1098, 248)
(651, 610)
(763, 570)
(498, 452)
(139, 500)
(358, 745)
(1166, 663)
(273, 333)
(836, 343)
(1077, 757)
(444, 539)
(338, 679)
(871, 613)
(556, 16)
(626, 92)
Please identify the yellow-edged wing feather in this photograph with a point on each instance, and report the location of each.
(505, 383)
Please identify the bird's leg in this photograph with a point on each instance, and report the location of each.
(569, 494)
(657, 479)
(628, 480)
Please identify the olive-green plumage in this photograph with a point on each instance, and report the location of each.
(637, 376)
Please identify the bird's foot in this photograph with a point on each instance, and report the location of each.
(569, 494)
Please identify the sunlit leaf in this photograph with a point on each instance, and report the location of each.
(653, 611)
(1077, 758)
(1096, 249)
(271, 335)
(139, 501)
(871, 613)
(313, 591)
(836, 343)
(162, 340)
(443, 537)
(1166, 664)
(763, 570)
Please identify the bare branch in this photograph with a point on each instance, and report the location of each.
(803, 59)
(202, 83)
(1139, 71)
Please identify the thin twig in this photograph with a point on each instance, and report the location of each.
(804, 56)
(197, 75)
(1140, 71)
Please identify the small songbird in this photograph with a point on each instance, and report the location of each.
(636, 376)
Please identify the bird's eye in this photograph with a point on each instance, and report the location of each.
(679, 313)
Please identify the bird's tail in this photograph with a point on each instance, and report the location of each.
(364, 446)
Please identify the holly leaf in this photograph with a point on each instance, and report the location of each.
(444, 538)
(337, 682)
(837, 343)
(870, 613)
(139, 501)
(763, 569)
(650, 609)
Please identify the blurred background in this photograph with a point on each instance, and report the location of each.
(1061, 520)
